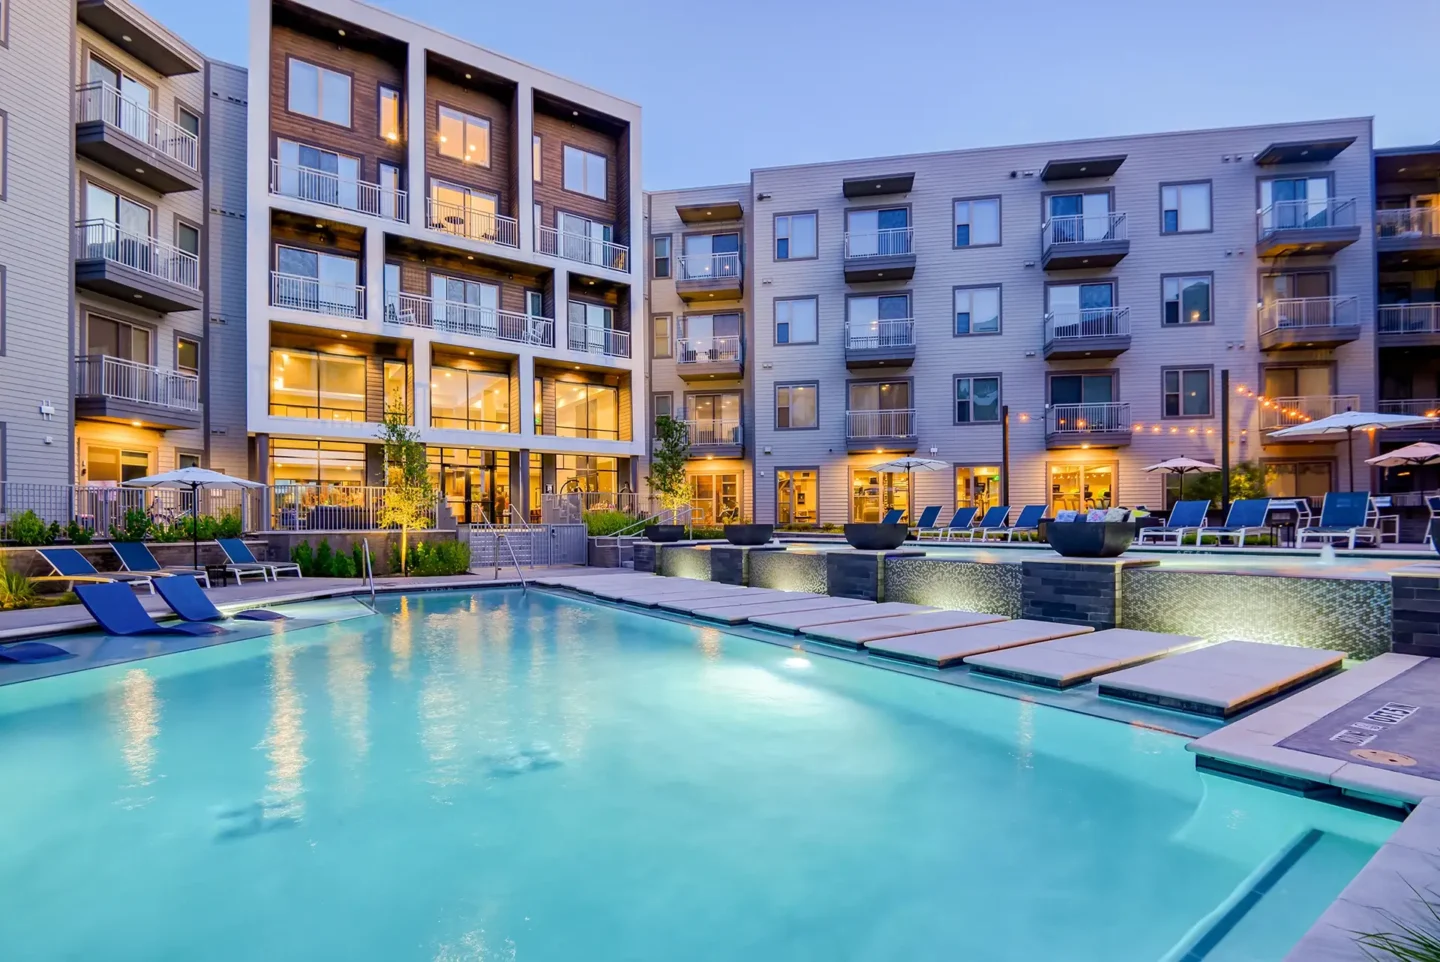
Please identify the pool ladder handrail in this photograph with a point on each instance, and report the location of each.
(498, 533)
(369, 572)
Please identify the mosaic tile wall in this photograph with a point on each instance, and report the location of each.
(787, 571)
(992, 588)
(682, 562)
(1348, 616)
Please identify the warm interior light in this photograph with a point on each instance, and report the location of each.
(134, 424)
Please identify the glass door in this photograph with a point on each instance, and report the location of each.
(470, 307)
(797, 497)
(873, 493)
(1082, 389)
(977, 487)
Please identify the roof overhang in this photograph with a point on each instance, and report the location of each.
(1318, 151)
(1082, 168)
(879, 185)
(713, 213)
(118, 24)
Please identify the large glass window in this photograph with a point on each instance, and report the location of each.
(794, 237)
(584, 172)
(715, 499)
(797, 497)
(1297, 479)
(579, 472)
(708, 337)
(1185, 208)
(463, 211)
(877, 233)
(475, 482)
(1187, 392)
(977, 310)
(469, 400)
(977, 399)
(317, 92)
(464, 136)
(316, 462)
(1187, 300)
(1300, 381)
(795, 406)
(311, 384)
(660, 332)
(879, 322)
(107, 465)
(466, 306)
(317, 282)
(1080, 487)
(880, 396)
(977, 222)
(117, 339)
(389, 113)
(873, 493)
(1082, 388)
(397, 388)
(1296, 202)
(321, 176)
(977, 486)
(587, 411)
(713, 418)
(796, 320)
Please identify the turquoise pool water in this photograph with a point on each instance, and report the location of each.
(502, 777)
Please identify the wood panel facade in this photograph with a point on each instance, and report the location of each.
(485, 100)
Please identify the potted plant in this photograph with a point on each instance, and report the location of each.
(746, 534)
(1105, 537)
(667, 476)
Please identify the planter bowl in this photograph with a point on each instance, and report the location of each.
(749, 535)
(876, 537)
(1090, 539)
(665, 533)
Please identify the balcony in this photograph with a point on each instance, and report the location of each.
(884, 255)
(310, 295)
(1300, 323)
(1079, 241)
(1305, 227)
(1415, 407)
(707, 277)
(1098, 425)
(118, 23)
(134, 141)
(141, 395)
(135, 269)
(1408, 325)
(582, 249)
(471, 224)
(881, 431)
(332, 190)
(1092, 332)
(709, 358)
(594, 339)
(455, 317)
(1287, 412)
(1411, 235)
(716, 438)
(884, 343)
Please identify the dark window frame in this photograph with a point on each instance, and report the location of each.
(1000, 326)
(669, 257)
(793, 468)
(775, 320)
(775, 406)
(605, 187)
(467, 115)
(669, 335)
(1181, 370)
(999, 222)
(1177, 184)
(955, 380)
(775, 235)
(380, 89)
(1181, 276)
(319, 119)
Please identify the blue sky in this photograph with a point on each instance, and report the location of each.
(756, 83)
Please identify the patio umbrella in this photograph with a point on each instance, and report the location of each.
(910, 464)
(1422, 452)
(1347, 423)
(1182, 467)
(193, 480)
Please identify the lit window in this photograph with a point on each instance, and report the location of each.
(660, 329)
(795, 406)
(389, 113)
(1187, 393)
(320, 93)
(584, 172)
(464, 137)
(1187, 300)
(795, 321)
(794, 237)
(1185, 208)
(187, 356)
(535, 158)
(977, 222)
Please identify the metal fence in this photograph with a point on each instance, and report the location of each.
(571, 507)
(334, 190)
(1084, 229)
(471, 223)
(536, 545)
(97, 375)
(99, 507)
(333, 507)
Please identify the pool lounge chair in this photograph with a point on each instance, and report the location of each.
(994, 520)
(119, 612)
(927, 520)
(70, 565)
(1342, 518)
(187, 599)
(136, 558)
(1246, 517)
(893, 516)
(1433, 503)
(28, 652)
(240, 556)
(960, 522)
(1185, 517)
(1028, 521)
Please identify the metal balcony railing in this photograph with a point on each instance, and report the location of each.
(895, 332)
(471, 224)
(1416, 407)
(332, 190)
(97, 239)
(1083, 229)
(891, 242)
(1285, 412)
(1408, 319)
(313, 296)
(891, 423)
(1293, 313)
(1315, 214)
(457, 317)
(1088, 322)
(98, 507)
(594, 339)
(708, 350)
(708, 267)
(100, 101)
(334, 507)
(1408, 222)
(1103, 417)
(98, 375)
(579, 247)
(709, 432)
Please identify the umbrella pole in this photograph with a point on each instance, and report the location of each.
(195, 525)
(1350, 452)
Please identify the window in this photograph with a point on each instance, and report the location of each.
(977, 222)
(464, 212)
(873, 323)
(106, 465)
(874, 493)
(660, 332)
(187, 356)
(715, 498)
(796, 406)
(397, 388)
(1187, 392)
(322, 176)
(535, 303)
(710, 255)
(465, 306)
(877, 233)
(389, 191)
(319, 93)
(579, 472)
(311, 384)
(134, 222)
(713, 418)
(184, 459)
(977, 487)
(1297, 382)
(660, 248)
(587, 411)
(469, 400)
(111, 338)
(4, 131)
(977, 400)
(1297, 479)
(389, 113)
(1187, 299)
(796, 320)
(1298, 202)
(1082, 389)
(539, 387)
(794, 237)
(476, 483)
(584, 172)
(708, 337)
(535, 158)
(1080, 487)
(1184, 208)
(797, 497)
(977, 310)
(128, 103)
(188, 120)
(464, 136)
(317, 282)
(317, 462)
(187, 238)
(1078, 219)
(588, 241)
(662, 406)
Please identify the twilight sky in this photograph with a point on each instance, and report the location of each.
(738, 84)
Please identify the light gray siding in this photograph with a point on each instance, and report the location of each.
(225, 235)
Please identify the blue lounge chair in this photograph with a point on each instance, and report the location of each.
(892, 516)
(239, 555)
(136, 558)
(994, 520)
(28, 652)
(186, 598)
(960, 522)
(1029, 521)
(927, 520)
(70, 565)
(1246, 516)
(119, 612)
(1185, 517)
(1343, 517)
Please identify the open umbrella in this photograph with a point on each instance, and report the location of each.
(1347, 423)
(193, 479)
(1422, 452)
(1182, 467)
(907, 465)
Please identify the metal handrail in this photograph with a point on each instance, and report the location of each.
(890, 242)
(880, 423)
(498, 534)
(370, 573)
(583, 248)
(99, 375)
(1418, 407)
(105, 239)
(704, 350)
(883, 333)
(1408, 222)
(707, 267)
(595, 339)
(458, 317)
(297, 292)
(1304, 215)
(1084, 229)
(332, 190)
(1284, 412)
(100, 101)
(1408, 318)
(477, 225)
(1095, 417)
(640, 524)
(1289, 313)
(1087, 322)
(713, 431)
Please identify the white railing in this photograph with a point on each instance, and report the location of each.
(594, 339)
(579, 247)
(708, 432)
(1083, 229)
(1408, 319)
(298, 293)
(1285, 412)
(1304, 215)
(1087, 322)
(708, 267)
(1290, 313)
(471, 224)
(708, 350)
(1105, 417)
(332, 190)
(1408, 222)
(103, 239)
(891, 242)
(896, 423)
(1416, 407)
(457, 317)
(98, 507)
(896, 332)
(571, 507)
(97, 375)
(100, 101)
(333, 507)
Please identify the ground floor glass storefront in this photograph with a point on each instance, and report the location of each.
(797, 497)
(474, 482)
(1082, 486)
(874, 493)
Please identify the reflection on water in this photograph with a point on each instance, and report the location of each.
(471, 947)
(285, 736)
(347, 674)
(1025, 734)
(136, 707)
(710, 643)
(441, 707)
(402, 627)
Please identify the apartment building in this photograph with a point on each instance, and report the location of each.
(1096, 291)
(437, 230)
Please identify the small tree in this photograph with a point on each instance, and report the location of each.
(667, 465)
(409, 495)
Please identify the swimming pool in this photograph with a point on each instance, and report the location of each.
(499, 776)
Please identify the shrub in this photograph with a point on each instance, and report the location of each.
(304, 557)
(78, 533)
(27, 530)
(324, 560)
(343, 566)
(434, 558)
(701, 533)
(228, 526)
(16, 590)
(178, 530)
(357, 559)
(133, 527)
(598, 524)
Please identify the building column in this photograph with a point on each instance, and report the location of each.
(415, 133)
(420, 378)
(520, 481)
(525, 188)
(374, 276)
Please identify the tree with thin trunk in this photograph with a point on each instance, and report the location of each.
(667, 478)
(409, 496)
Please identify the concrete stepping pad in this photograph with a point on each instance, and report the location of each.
(858, 634)
(1074, 659)
(1222, 679)
(581, 581)
(737, 612)
(664, 588)
(689, 603)
(802, 621)
(939, 649)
